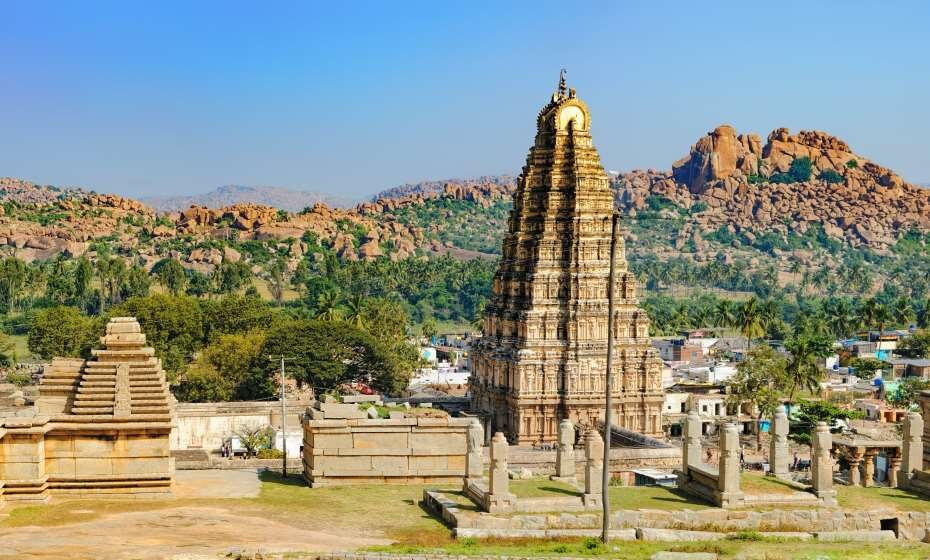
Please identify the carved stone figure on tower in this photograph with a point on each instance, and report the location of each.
(544, 351)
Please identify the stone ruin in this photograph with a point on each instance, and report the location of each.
(98, 426)
(720, 484)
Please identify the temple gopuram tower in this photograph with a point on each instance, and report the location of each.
(543, 356)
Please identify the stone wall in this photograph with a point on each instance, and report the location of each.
(394, 451)
(206, 425)
(714, 522)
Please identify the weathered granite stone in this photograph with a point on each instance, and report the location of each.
(550, 324)
(822, 464)
(778, 445)
(565, 453)
(728, 483)
(594, 468)
(912, 448)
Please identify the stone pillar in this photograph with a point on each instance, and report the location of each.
(728, 483)
(855, 461)
(822, 464)
(498, 498)
(474, 461)
(594, 468)
(868, 475)
(894, 463)
(912, 447)
(691, 448)
(778, 444)
(565, 454)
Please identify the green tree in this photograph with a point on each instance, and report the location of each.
(807, 347)
(749, 320)
(915, 346)
(809, 413)
(328, 305)
(171, 275)
(326, 354)
(907, 393)
(429, 328)
(63, 331)
(760, 380)
(235, 314)
(173, 325)
(230, 368)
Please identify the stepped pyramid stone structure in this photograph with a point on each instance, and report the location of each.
(544, 351)
(99, 426)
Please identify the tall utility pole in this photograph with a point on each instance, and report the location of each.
(608, 386)
(283, 422)
(283, 416)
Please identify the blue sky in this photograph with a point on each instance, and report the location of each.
(349, 98)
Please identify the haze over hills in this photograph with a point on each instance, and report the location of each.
(291, 200)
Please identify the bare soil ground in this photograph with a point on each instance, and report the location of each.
(171, 528)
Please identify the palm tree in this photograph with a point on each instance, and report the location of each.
(327, 305)
(355, 311)
(901, 312)
(749, 320)
(724, 314)
(803, 370)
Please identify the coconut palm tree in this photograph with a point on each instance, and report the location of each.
(749, 320)
(356, 310)
(327, 305)
(901, 311)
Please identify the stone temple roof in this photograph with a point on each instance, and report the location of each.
(123, 381)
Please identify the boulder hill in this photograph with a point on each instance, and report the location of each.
(727, 180)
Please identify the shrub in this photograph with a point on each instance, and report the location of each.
(852, 164)
(18, 378)
(755, 178)
(801, 170)
(830, 176)
(269, 453)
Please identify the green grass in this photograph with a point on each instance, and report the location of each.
(654, 497)
(857, 497)
(764, 548)
(760, 484)
(621, 497)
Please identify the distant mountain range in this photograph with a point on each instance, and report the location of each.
(277, 197)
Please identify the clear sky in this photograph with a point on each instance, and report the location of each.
(349, 98)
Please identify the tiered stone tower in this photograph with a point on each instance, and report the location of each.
(98, 427)
(544, 351)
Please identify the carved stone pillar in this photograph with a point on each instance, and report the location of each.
(822, 464)
(498, 497)
(894, 463)
(728, 483)
(474, 462)
(565, 453)
(868, 475)
(778, 445)
(912, 448)
(691, 448)
(594, 468)
(855, 460)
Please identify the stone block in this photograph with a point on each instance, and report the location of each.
(675, 535)
(855, 536)
(381, 463)
(87, 466)
(331, 441)
(374, 440)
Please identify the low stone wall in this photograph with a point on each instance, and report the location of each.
(623, 460)
(206, 425)
(395, 451)
(824, 524)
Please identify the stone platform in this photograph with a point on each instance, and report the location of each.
(99, 426)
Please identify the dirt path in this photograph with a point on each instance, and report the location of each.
(183, 532)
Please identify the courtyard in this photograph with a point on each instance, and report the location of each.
(217, 512)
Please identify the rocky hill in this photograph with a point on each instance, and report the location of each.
(788, 184)
(804, 198)
(277, 197)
